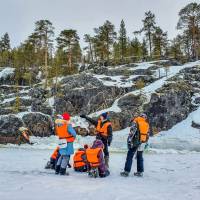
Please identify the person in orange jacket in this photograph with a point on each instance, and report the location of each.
(80, 160)
(53, 159)
(104, 132)
(66, 135)
(138, 137)
(96, 162)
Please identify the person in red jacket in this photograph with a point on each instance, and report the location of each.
(66, 135)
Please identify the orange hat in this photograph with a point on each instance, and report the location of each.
(66, 116)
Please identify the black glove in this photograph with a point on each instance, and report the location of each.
(109, 143)
(83, 116)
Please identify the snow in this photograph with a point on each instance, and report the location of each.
(144, 65)
(23, 177)
(6, 72)
(116, 80)
(51, 101)
(8, 100)
(151, 88)
(78, 121)
(13, 98)
(196, 118)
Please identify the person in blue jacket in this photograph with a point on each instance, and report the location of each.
(66, 135)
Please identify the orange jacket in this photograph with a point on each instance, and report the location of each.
(79, 161)
(143, 126)
(92, 156)
(55, 153)
(103, 130)
(61, 127)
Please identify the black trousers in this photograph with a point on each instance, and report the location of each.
(105, 142)
(129, 160)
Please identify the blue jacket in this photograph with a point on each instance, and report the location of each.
(69, 150)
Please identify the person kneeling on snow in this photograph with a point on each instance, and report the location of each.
(66, 135)
(80, 160)
(103, 131)
(53, 159)
(137, 139)
(95, 159)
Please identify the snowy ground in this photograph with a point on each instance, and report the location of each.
(171, 170)
(167, 176)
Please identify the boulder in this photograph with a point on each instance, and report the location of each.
(89, 100)
(39, 124)
(170, 105)
(9, 125)
(61, 106)
(39, 97)
(196, 121)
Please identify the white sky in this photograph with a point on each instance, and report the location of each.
(17, 17)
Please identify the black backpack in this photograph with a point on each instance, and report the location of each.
(133, 139)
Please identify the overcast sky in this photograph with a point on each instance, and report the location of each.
(17, 17)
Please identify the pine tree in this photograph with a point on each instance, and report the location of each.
(44, 31)
(104, 40)
(5, 55)
(144, 50)
(122, 39)
(175, 50)
(160, 42)
(5, 43)
(88, 39)
(68, 41)
(136, 49)
(189, 22)
(148, 28)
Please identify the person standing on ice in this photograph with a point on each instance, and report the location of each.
(66, 135)
(104, 132)
(137, 139)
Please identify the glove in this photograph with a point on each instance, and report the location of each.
(83, 116)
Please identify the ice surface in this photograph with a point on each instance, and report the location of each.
(168, 176)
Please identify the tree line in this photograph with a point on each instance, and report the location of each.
(106, 46)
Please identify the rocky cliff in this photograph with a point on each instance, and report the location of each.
(167, 93)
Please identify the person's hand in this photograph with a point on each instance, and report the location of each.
(83, 116)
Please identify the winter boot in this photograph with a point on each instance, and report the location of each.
(63, 171)
(69, 166)
(93, 173)
(48, 165)
(107, 161)
(57, 169)
(124, 174)
(138, 174)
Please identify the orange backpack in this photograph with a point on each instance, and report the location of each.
(143, 126)
(78, 159)
(92, 156)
